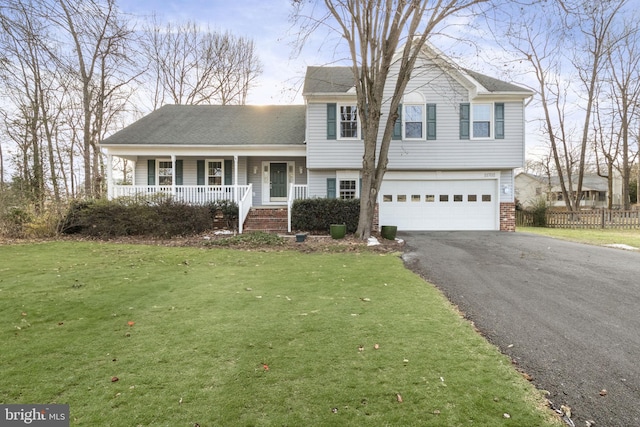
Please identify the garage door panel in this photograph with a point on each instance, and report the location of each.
(439, 205)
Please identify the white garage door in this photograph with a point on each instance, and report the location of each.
(440, 205)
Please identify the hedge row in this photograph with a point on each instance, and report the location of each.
(102, 218)
(316, 215)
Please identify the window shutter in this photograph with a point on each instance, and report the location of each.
(331, 121)
(465, 116)
(151, 172)
(179, 168)
(200, 172)
(431, 121)
(397, 126)
(228, 172)
(331, 188)
(499, 119)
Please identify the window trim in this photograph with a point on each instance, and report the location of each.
(339, 121)
(164, 160)
(206, 172)
(348, 176)
(472, 120)
(423, 120)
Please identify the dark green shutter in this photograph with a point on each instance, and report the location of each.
(331, 121)
(228, 172)
(151, 172)
(397, 126)
(179, 168)
(465, 117)
(431, 121)
(499, 120)
(200, 172)
(331, 188)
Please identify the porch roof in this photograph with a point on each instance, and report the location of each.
(211, 125)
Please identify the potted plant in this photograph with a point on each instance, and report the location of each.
(388, 232)
(338, 231)
(301, 237)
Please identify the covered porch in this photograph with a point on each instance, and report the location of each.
(248, 181)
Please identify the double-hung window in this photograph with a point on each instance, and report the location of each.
(413, 121)
(481, 118)
(348, 119)
(482, 121)
(214, 172)
(165, 172)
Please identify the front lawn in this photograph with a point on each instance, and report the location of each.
(590, 236)
(141, 335)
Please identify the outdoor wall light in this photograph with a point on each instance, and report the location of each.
(301, 170)
(255, 170)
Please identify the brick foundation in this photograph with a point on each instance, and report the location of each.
(507, 217)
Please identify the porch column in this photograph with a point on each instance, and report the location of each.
(109, 176)
(133, 172)
(173, 175)
(235, 178)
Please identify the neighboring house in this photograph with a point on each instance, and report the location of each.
(595, 190)
(459, 138)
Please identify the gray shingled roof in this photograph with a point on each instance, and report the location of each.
(340, 80)
(216, 125)
(494, 85)
(328, 80)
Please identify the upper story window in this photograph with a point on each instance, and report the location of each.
(482, 121)
(348, 117)
(481, 118)
(413, 121)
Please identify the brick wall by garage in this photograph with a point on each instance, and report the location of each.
(507, 217)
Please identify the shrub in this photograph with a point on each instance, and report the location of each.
(124, 217)
(316, 215)
(15, 221)
(539, 212)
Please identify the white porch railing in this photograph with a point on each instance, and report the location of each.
(295, 192)
(191, 194)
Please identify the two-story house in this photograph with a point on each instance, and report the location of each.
(457, 141)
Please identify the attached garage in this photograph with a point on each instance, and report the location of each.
(440, 201)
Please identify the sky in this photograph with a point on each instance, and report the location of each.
(265, 21)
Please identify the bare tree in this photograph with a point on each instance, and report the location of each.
(374, 31)
(194, 66)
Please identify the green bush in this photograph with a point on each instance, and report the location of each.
(15, 221)
(160, 218)
(539, 212)
(316, 215)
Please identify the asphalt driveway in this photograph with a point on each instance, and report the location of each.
(568, 314)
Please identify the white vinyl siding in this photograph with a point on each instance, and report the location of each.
(446, 152)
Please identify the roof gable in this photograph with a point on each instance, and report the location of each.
(216, 125)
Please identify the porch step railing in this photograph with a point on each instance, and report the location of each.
(295, 192)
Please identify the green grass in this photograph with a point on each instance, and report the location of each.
(208, 320)
(590, 236)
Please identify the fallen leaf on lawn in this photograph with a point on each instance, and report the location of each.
(436, 412)
(376, 346)
(180, 401)
(365, 299)
(405, 360)
(398, 398)
(131, 323)
(566, 409)
(360, 348)
(527, 376)
(603, 392)
(265, 366)
(60, 323)
(114, 379)
(24, 313)
(334, 410)
(505, 415)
